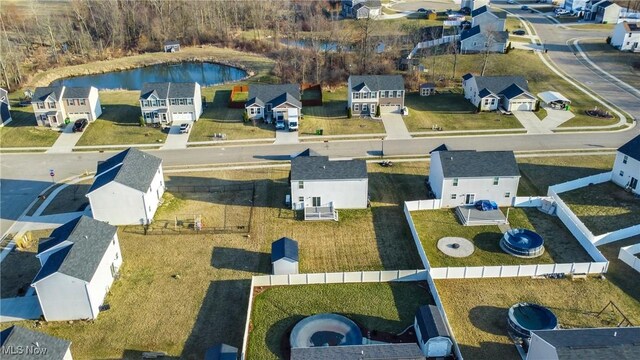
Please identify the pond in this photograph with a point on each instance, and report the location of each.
(204, 73)
(323, 45)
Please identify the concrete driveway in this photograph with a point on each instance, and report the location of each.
(176, 140)
(66, 141)
(530, 121)
(556, 118)
(395, 127)
(20, 308)
(286, 137)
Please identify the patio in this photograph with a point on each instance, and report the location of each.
(470, 216)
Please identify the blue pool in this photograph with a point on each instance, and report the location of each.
(522, 243)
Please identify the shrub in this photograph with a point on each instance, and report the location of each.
(141, 121)
(378, 111)
(245, 116)
(609, 40)
(349, 115)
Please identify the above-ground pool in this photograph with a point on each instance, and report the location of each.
(524, 317)
(522, 243)
(325, 330)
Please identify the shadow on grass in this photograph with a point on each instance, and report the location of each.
(21, 118)
(489, 350)
(489, 242)
(490, 319)
(121, 114)
(240, 259)
(440, 102)
(128, 354)
(17, 271)
(619, 273)
(541, 176)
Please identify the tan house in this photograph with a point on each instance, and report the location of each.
(53, 105)
(366, 92)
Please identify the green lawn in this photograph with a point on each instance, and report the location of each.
(432, 225)
(388, 307)
(621, 64)
(241, 96)
(513, 23)
(603, 27)
(22, 131)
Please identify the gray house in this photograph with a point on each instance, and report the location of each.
(488, 93)
(166, 102)
(361, 9)
(171, 46)
(18, 343)
(432, 333)
(481, 38)
(606, 12)
(488, 20)
(620, 343)
(389, 351)
(5, 107)
(53, 105)
(274, 101)
(366, 92)
(284, 256)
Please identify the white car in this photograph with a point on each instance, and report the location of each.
(185, 128)
(510, 2)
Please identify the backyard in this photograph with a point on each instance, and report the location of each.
(20, 266)
(388, 307)
(22, 131)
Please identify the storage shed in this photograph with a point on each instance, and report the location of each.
(432, 333)
(171, 46)
(284, 256)
(427, 89)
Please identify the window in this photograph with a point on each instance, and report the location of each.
(393, 94)
(40, 105)
(180, 101)
(455, 181)
(365, 95)
(365, 107)
(356, 107)
(116, 252)
(507, 194)
(399, 94)
(173, 102)
(189, 101)
(252, 111)
(82, 102)
(453, 196)
(621, 173)
(114, 242)
(356, 95)
(493, 101)
(316, 201)
(301, 199)
(52, 105)
(300, 184)
(624, 159)
(486, 101)
(496, 180)
(163, 102)
(382, 94)
(374, 95)
(268, 107)
(258, 111)
(70, 102)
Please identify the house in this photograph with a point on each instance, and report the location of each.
(385, 351)
(605, 12)
(274, 101)
(621, 343)
(366, 92)
(432, 333)
(490, 92)
(474, 4)
(221, 352)
(171, 46)
(127, 188)
(477, 40)
(626, 37)
(318, 182)
(79, 262)
(626, 167)
(5, 107)
(576, 6)
(427, 89)
(18, 343)
(361, 9)
(462, 177)
(284, 256)
(53, 105)
(166, 102)
(494, 21)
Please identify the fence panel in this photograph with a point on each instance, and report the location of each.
(617, 235)
(352, 277)
(578, 183)
(527, 270)
(416, 238)
(298, 279)
(528, 201)
(628, 255)
(474, 272)
(316, 278)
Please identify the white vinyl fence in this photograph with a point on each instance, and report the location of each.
(416, 237)
(341, 277)
(477, 272)
(528, 201)
(579, 183)
(423, 204)
(628, 255)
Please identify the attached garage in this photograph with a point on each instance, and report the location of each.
(77, 116)
(522, 105)
(386, 109)
(182, 116)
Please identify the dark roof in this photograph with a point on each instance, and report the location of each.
(604, 4)
(512, 91)
(467, 76)
(274, 94)
(497, 84)
(632, 148)
(89, 240)
(171, 42)
(18, 337)
(320, 168)
(402, 351)
(601, 343)
(630, 27)
(60, 234)
(284, 248)
(42, 93)
(471, 163)
(221, 352)
(442, 147)
(368, 3)
(481, 10)
(5, 113)
(470, 32)
(377, 82)
(431, 323)
(76, 92)
(169, 90)
(484, 92)
(427, 85)
(132, 167)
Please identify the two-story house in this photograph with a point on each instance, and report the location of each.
(483, 38)
(361, 9)
(626, 167)
(494, 21)
(367, 92)
(488, 93)
(53, 105)
(5, 107)
(166, 102)
(626, 37)
(274, 101)
(605, 12)
(474, 4)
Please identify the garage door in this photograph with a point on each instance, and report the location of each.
(522, 106)
(76, 116)
(389, 109)
(182, 116)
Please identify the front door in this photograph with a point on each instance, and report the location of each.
(633, 183)
(316, 201)
(470, 199)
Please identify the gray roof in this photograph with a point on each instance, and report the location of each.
(320, 168)
(132, 167)
(4, 95)
(471, 163)
(274, 94)
(89, 240)
(405, 351)
(171, 42)
(77, 92)
(431, 323)
(470, 32)
(377, 82)
(42, 93)
(368, 3)
(18, 337)
(169, 90)
(284, 248)
(600, 343)
(221, 352)
(632, 148)
(497, 84)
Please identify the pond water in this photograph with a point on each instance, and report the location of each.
(323, 45)
(202, 72)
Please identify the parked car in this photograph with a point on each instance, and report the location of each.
(280, 123)
(185, 128)
(524, 7)
(519, 32)
(510, 2)
(80, 124)
(293, 125)
(422, 10)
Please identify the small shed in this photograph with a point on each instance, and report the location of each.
(432, 333)
(554, 99)
(427, 89)
(221, 352)
(171, 46)
(284, 256)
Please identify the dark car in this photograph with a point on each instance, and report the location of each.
(80, 124)
(422, 10)
(524, 7)
(519, 32)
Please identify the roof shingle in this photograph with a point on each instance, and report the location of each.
(377, 82)
(320, 168)
(471, 163)
(132, 167)
(16, 337)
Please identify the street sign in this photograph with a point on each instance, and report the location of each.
(52, 174)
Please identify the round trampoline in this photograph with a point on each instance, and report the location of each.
(455, 246)
(522, 243)
(524, 317)
(325, 330)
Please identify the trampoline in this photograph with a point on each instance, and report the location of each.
(522, 243)
(524, 317)
(325, 330)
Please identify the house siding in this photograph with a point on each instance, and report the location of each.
(630, 169)
(103, 278)
(172, 110)
(387, 104)
(483, 189)
(91, 110)
(488, 22)
(435, 175)
(63, 298)
(476, 43)
(285, 267)
(345, 194)
(624, 40)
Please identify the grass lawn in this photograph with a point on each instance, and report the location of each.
(619, 63)
(241, 96)
(516, 38)
(604, 207)
(452, 111)
(432, 225)
(541, 113)
(20, 266)
(332, 117)
(71, 198)
(22, 131)
(603, 27)
(513, 23)
(119, 122)
(388, 307)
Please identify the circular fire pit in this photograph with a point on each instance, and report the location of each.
(456, 246)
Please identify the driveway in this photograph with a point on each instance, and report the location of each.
(531, 122)
(176, 140)
(66, 141)
(20, 308)
(286, 137)
(556, 118)
(395, 127)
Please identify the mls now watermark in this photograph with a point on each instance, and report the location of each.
(31, 350)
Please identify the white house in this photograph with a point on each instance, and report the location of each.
(432, 333)
(626, 167)
(167, 102)
(79, 262)
(605, 12)
(575, 5)
(490, 92)
(18, 343)
(5, 107)
(482, 38)
(366, 92)
(361, 9)
(463, 177)
(274, 101)
(318, 182)
(626, 37)
(284, 256)
(489, 20)
(127, 188)
(474, 4)
(620, 343)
